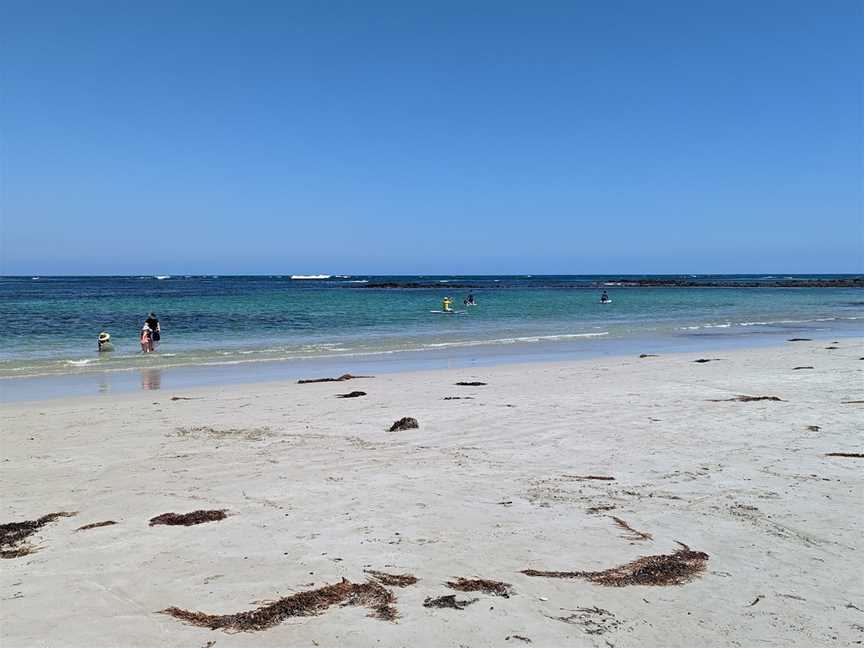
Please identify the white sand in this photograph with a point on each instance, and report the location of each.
(317, 490)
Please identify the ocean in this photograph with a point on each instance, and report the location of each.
(50, 324)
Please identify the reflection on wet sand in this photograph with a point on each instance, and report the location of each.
(151, 379)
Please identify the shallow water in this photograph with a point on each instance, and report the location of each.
(51, 323)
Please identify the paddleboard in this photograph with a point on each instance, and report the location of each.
(608, 301)
(443, 312)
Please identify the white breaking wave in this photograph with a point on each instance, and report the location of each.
(160, 277)
(310, 276)
(513, 340)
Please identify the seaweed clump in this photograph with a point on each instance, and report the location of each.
(747, 399)
(676, 568)
(353, 394)
(371, 595)
(448, 601)
(405, 423)
(188, 519)
(341, 378)
(13, 535)
(95, 525)
(850, 455)
(474, 383)
(495, 588)
(392, 580)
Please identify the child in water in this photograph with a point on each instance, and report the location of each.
(146, 339)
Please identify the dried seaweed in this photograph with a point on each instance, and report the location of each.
(747, 399)
(855, 402)
(495, 588)
(405, 423)
(393, 580)
(597, 477)
(471, 384)
(632, 534)
(594, 620)
(799, 340)
(813, 428)
(600, 509)
(850, 455)
(677, 568)
(353, 394)
(341, 378)
(179, 398)
(371, 595)
(704, 360)
(188, 519)
(647, 355)
(458, 398)
(13, 535)
(519, 637)
(804, 367)
(448, 601)
(96, 525)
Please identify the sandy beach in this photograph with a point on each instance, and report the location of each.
(544, 467)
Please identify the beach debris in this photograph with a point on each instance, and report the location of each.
(855, 402)
(495, 588)
(813, 428)
(587, 477)
(448, 601)
(458, 398)
(594, 620)
(831, 348)
(756, 600)
(648, 355)
(13, 535)
(96, 525)
(179, 398)
(353, 394)
(405, 423)
(370, 595)
(632, 534)
(188, 519)
(341, 378)
(600, 509)
(519, 637)
(676, 568)
(804, 367)
(704, 360)
(393, 580)
(849, 455)
(471, 384)
(799, 340)
(746, 399)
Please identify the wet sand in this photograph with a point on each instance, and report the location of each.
(572, 467)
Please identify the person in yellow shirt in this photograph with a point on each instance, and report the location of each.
(446, 305)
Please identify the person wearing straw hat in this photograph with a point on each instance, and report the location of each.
(105, 342)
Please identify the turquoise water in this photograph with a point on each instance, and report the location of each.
(51, 323)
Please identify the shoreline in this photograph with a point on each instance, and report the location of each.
(530, 471)
(48, 386)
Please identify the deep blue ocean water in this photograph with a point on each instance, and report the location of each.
(50, 324)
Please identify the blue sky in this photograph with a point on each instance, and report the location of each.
(446, 137)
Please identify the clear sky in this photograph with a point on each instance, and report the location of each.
(431, 137)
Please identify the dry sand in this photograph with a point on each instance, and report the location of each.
(316, 489)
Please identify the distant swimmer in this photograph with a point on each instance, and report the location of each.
(469, 300)
(446, 305)
(104, 342)
(604, 298)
